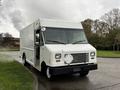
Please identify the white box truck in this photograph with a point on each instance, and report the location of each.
(57, 47)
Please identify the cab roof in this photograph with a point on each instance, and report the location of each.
(59, 23)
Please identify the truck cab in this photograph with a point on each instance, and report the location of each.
(59, 47)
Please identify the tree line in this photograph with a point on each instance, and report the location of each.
(7, 40)
(104, 33)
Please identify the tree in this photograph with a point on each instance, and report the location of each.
(94, 40)
(112, 18)
(117, 40)
(6, 39)
(104, 33)
(100, 27)
(1, 38)
(87, 25)
(111, 38)
(7, 35)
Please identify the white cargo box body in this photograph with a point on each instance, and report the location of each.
(27, 42)
(41, 54)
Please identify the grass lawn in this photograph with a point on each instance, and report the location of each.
(9, 49)
(13, 76)
(109, 54)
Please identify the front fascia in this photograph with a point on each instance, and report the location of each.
(69, 49)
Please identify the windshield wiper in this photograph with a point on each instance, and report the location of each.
(56, 41)
(78, 41)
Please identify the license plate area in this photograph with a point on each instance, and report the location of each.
(76, 69)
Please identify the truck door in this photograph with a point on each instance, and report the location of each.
(37, 47)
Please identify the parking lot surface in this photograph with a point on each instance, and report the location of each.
(107, 77)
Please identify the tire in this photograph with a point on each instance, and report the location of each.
(48, 75)
(84, 73)
(24, 59)
(45, 70)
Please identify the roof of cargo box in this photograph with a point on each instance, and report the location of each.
(60, 23)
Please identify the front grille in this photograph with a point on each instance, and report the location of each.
(80, 57)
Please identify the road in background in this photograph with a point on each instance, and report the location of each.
(107, 77)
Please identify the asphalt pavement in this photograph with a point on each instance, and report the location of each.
(107, 77)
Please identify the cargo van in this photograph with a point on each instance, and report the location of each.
(57, 47)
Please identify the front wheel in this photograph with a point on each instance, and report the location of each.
(84, 73)
(48, 75)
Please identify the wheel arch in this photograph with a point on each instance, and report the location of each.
(43, 66)
(23, 55)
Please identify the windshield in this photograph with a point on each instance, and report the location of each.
(64, 36)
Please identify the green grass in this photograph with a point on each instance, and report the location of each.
(13, 76)
(9, 49)
(5, 58)
(108, 54)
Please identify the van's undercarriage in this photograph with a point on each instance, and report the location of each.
(72, 69)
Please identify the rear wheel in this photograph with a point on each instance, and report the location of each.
(84, 73)
(24, 59)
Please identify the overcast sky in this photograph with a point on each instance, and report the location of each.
(16, 14)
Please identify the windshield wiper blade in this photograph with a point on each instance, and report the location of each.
(56, 41)
(78, 41)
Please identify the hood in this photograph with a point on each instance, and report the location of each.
(70, 47)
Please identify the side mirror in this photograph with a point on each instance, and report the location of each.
(37, 43)
(43, 29)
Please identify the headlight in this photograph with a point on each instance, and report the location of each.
(68, 58)
(57, 56)
(92, 54)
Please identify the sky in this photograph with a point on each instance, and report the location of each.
(16, 14)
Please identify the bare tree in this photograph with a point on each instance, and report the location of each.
(100, 27)
(112, 18)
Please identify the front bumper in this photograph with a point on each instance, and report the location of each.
(72, 69)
